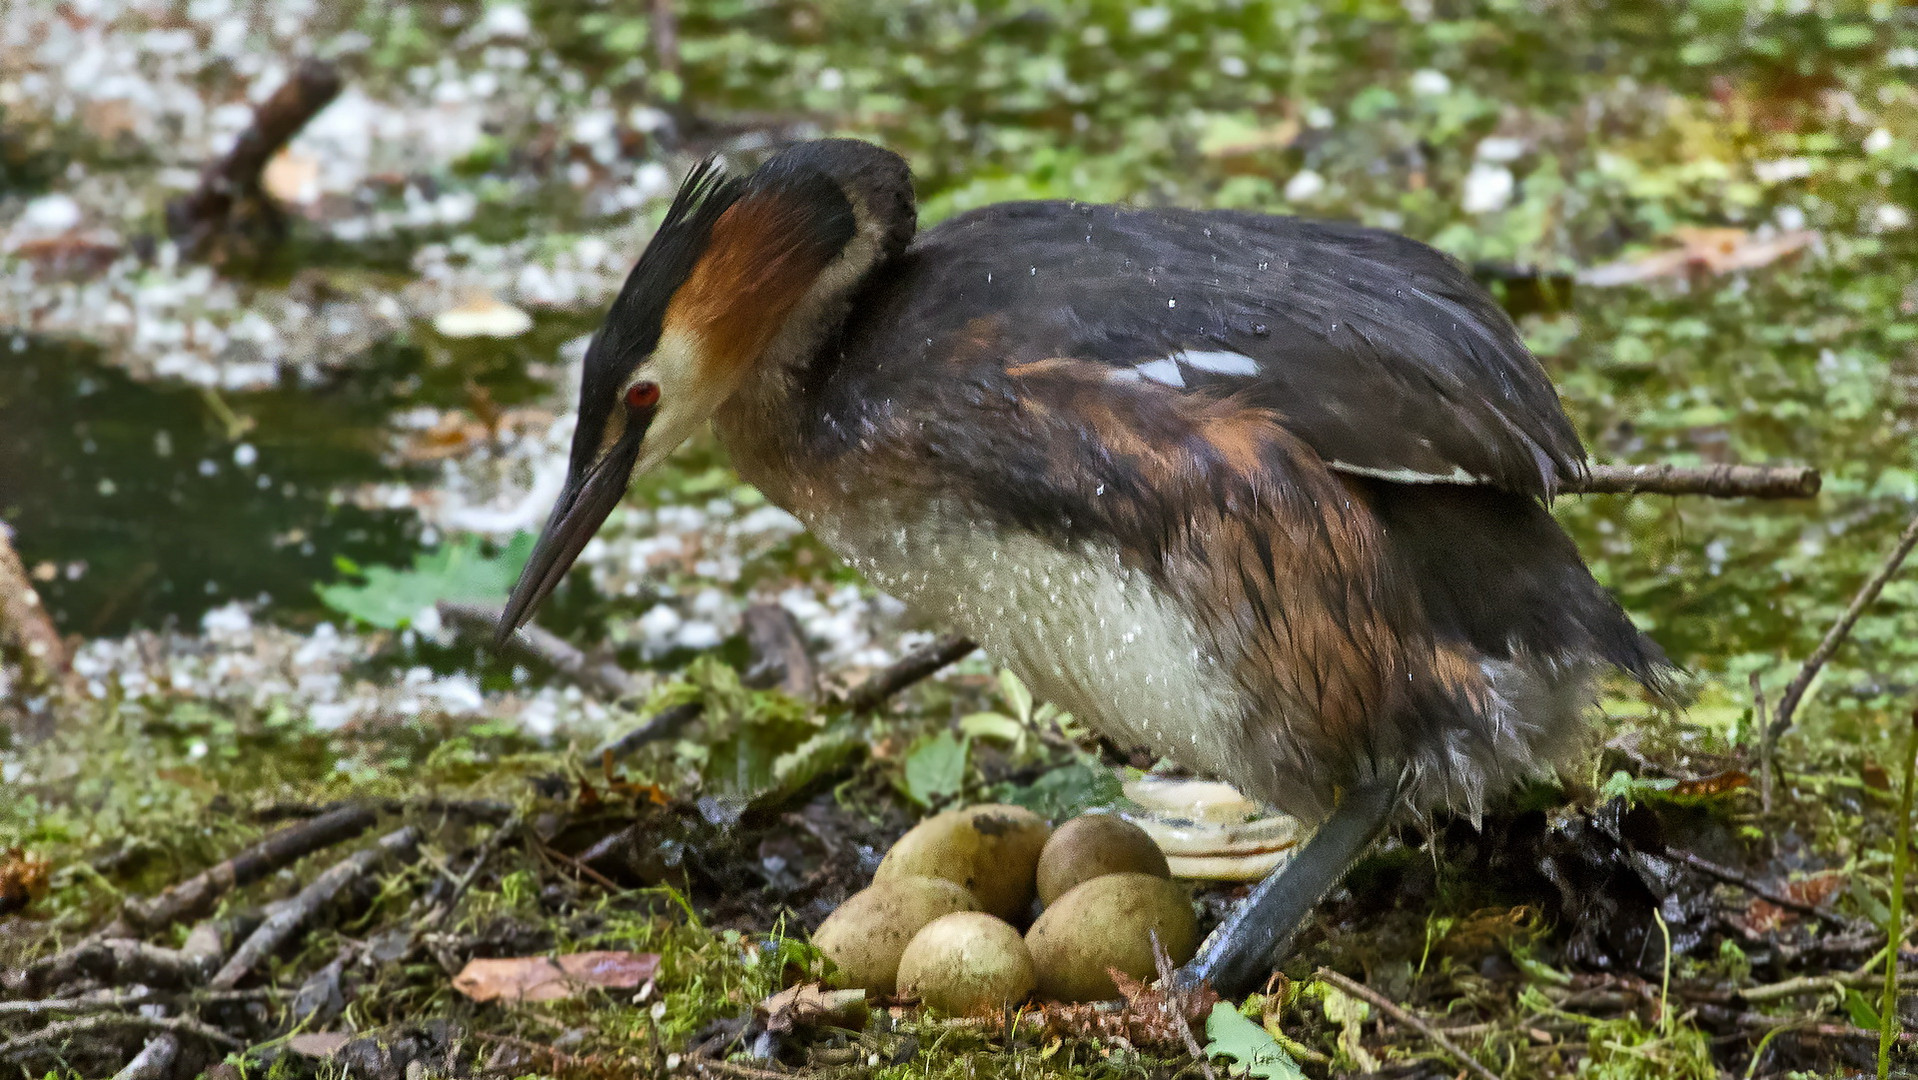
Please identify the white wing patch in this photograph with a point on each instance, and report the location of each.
(1410, 476)
(1163, 371)
(1218, 362)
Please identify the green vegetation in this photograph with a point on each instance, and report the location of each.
(1533, 140)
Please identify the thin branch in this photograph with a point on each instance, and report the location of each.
(1714, 481)
(1732, 877)
(477, 621)
(1386, 1005)
(198, 895)
(921, 663)
(1840, 630)
(915, 666)
(86, 1025)
(281, 925)
(154, 1061)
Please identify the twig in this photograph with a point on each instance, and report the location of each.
(153, 1062)
(578, 866)
(1732, 877)
(196, 220)
(913, 667)
(115, 1002)
(921, 663)
(1168, 984)
(66, 1029)
(280, 926)
(197, 895)
(484, 855)
(1840, 630)
(27, 631)
(492, 811)
(1714, 481)
(123, 960)
(1819, 984)
(1384, 1004)
(477, 621)
(663, 724)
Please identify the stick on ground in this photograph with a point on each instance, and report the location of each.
(197, 895)
(281, 925)
(478, 620)
(1388, 1007)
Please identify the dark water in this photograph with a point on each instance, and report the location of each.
(152, 508)
(150, 511)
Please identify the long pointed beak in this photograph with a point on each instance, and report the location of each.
(582, 508)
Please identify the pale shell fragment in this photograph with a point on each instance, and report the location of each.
(483, 316)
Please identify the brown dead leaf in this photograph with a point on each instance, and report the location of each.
(453, 434)
(1150, 1017)
(1716, 784)
(23, 879)
(1763, 917)
(812, 1005)
(1701, 251)
(1875, 776)
(551, 978)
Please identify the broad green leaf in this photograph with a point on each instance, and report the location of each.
(388, 597)
(1254, 1053)
(986, 725)
(1018, 698)
(935, 768)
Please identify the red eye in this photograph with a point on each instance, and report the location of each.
(642, 395)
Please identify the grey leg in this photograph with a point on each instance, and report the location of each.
(1240, 954)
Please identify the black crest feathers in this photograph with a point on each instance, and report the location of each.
(638, 314)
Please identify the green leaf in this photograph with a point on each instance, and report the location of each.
(1066, 791)
(935, 768)
(1253, 1052)
(388, 597)
(987, 725)
(1860, 1010)
(1017, 696)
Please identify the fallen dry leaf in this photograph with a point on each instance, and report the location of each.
(23, 879)
(318, 1044)
(1763, 917)
(812, 1005)
(551, 978)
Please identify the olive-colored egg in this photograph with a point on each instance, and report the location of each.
(991, 850)
(866, 935)
(1106, 923)
(967, 963)
(1094, 845)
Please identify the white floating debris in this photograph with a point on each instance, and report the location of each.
(1500, 148)
(1488, 188)
(483, 316)
(1428, 82)
(1304, 186)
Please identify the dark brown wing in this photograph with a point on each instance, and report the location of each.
(1378, 352)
